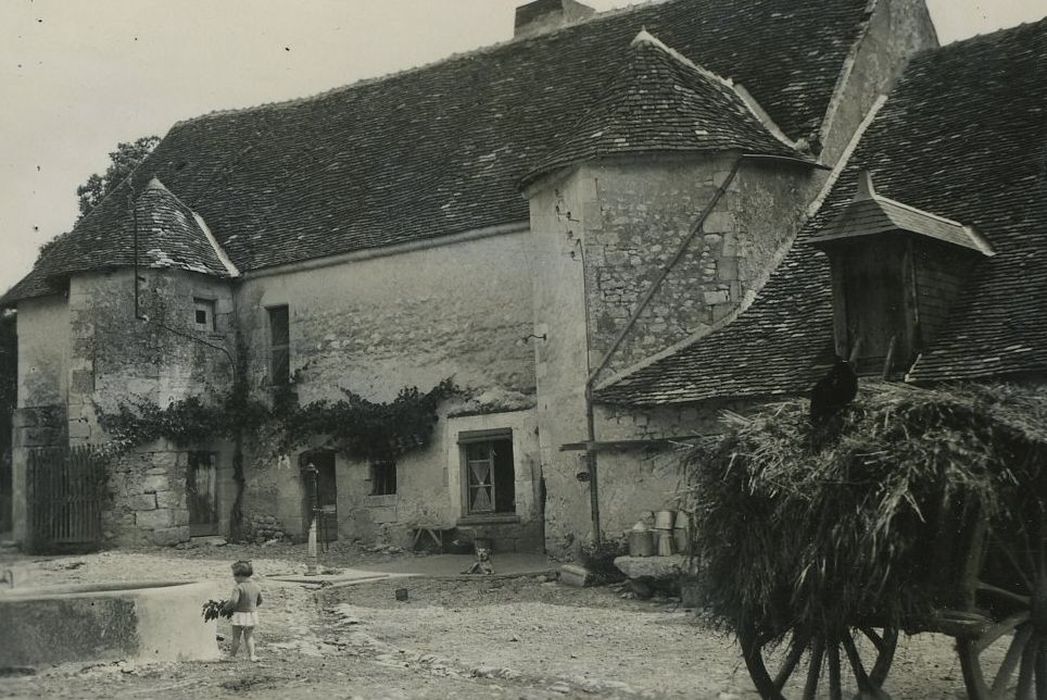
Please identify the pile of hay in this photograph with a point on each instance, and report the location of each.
(794, 536)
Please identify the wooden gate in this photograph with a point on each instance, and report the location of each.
(65, 489)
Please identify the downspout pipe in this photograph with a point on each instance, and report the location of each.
(590, 419)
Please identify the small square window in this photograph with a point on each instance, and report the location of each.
(383, 478)
(203, 314)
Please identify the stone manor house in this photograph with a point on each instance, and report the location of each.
(606, 230)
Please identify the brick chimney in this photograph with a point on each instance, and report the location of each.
(547, 15)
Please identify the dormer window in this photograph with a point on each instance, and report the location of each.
(896, 272)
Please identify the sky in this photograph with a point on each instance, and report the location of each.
(78, 77)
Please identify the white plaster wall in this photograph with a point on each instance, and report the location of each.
(43, 351)
(376, 325)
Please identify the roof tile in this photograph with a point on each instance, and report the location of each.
(440, 149)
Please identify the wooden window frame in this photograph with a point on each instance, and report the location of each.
(383, 477)
(487, 437)
(279, 352)
(208, 307)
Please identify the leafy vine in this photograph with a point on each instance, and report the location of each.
(358, 427)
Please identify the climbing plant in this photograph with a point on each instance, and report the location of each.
(358, 427)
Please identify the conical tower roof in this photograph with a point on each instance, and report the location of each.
(660, 101)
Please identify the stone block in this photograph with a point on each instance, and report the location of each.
(574, 575)
(727, 269)
(167, 460)
(145, 501)
(174, 498)
(155, 483)
(730, 245)
(716, 297)
(180, 516)
(155, 519)
(166, 537)
(720, 221)
(657, 568)
(722, 311)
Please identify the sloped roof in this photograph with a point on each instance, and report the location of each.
(870, 214)
(441, 149)
(660, 101)
(170, 235)
(963, 136)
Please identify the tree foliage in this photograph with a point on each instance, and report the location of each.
(123, 160)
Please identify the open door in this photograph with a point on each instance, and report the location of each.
(321, 495)
(201, 488)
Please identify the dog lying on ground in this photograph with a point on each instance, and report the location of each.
(482, 565)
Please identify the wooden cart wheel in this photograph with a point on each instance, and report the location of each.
(823, 660)
(1021, 671)
(1017, 630)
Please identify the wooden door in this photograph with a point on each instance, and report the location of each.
(201, 489)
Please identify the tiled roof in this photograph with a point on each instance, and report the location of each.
(660, 101)
(441, 149)
(870, 214)
(170, 235)
(963, 136)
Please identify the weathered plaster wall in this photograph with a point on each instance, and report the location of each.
(86, 350)
(374, 326)
(117, 359)
(428, 487)
(43, 351)
(637, 480)
(525, 532)
(40, 419)
(558, 221)
(412, 319)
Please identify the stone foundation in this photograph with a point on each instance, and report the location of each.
(148, 499)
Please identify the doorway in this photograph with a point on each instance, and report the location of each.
(320, 496)
(201, 489)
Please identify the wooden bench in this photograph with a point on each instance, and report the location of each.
(436, 534)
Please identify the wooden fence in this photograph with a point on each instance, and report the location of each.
(66, 490)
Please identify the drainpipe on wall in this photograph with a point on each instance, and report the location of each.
(590, 422)
(590, 382)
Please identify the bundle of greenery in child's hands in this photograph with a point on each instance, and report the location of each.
(215, 608)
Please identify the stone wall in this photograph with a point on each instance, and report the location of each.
(428, 487)
(626, 219)
(643, 212)
(147, 494)
(374, 325)
(377, 324)
(85, 350)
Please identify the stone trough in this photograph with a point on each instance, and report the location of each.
(154, 621)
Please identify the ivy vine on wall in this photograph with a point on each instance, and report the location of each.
(359, 428)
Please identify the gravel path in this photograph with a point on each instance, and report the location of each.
(473, 638)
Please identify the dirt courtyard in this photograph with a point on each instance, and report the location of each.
(514, 637)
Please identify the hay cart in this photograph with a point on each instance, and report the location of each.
(993, 594)
(970, 562)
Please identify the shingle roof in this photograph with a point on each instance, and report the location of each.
(170, 235)
(441, 149)
(963, 136)
(660, 101)
(870, 214)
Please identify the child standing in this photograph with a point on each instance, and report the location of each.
(244, 601)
